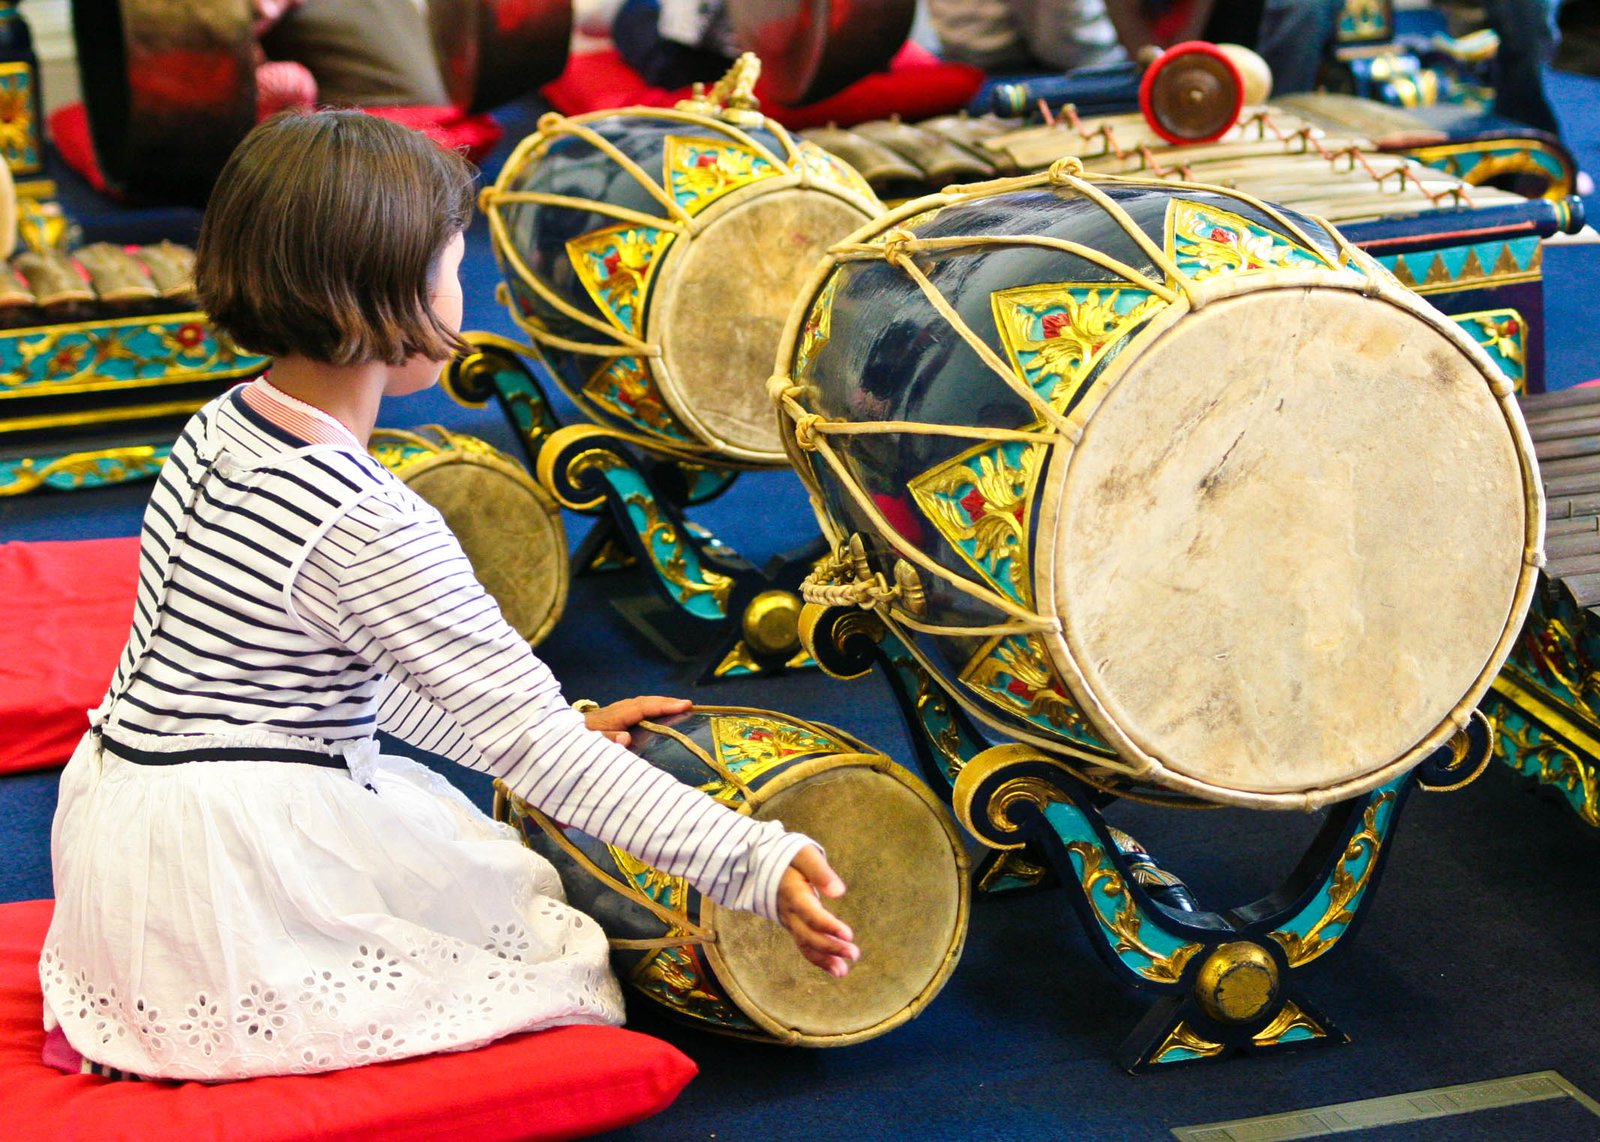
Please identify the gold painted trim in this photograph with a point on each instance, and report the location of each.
(1528, 696)
(108, 416)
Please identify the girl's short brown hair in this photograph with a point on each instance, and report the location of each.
(321, 236)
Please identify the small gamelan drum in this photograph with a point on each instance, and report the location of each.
(509, 527)
(1177, 485)
(653, 254)
(733, 972)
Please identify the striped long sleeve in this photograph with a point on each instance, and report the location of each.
(389, 582)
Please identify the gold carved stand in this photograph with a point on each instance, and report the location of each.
(1225, 981)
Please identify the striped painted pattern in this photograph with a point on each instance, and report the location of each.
(312, 599)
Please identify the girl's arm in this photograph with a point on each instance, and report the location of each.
(407, 602)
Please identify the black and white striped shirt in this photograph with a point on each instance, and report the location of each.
(312, 598)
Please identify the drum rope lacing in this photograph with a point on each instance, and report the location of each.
(852, 584)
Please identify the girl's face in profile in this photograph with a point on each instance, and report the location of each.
(420, 372)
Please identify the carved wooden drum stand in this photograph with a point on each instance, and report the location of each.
(1181, 497)
(652, 256)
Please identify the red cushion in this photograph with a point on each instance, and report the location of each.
(69, 132)
(917, 85)
(564, 1083)
(449, 127)
(68, 608)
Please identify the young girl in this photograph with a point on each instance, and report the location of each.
(244, 885)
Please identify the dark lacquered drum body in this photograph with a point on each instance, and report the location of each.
(1166, 481)
(652, 255)
(736, 973)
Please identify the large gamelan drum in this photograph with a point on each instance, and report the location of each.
(653, 254)
(736, 973)
(1172, 483)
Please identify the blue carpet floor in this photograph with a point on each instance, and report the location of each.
(1477, 960)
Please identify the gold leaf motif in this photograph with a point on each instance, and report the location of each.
(1063, 329)
(615, 265)
(750, 746)
(659, 886)
(700, 171)
(1214, 241)
(84, 469)
(1075, 340)
(1551, 762)
(983, 498)
(1343, 892)
(1186, 1039)
(817, 329)
(624, 388)
(16, 121)
(1288, 1019)
(1125, 923)
(658, 532)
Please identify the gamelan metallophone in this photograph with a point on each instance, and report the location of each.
(1475, 252)
(103, 356)
(1545, 703)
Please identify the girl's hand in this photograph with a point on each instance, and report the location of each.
(615, 719)
(822, 937)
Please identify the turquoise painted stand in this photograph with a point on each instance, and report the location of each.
(1225, 982)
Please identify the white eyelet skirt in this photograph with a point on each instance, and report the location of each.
(226, 919)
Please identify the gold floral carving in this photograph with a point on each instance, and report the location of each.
(112, 465)
(675, 567)
(1288, 1019)
(1073, 340)
(1558, 765)
(983, 498)
(663, 888)
(1186, 1038)
(1217, 242)
(1125, 923)
(699, 171)
(615, 265)
(1344, 892)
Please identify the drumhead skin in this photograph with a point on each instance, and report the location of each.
(1197, 496)
(890, 843)
(509, 527)
(1268, 557)
(723, 303)
(653, 255)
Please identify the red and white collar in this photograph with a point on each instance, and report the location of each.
(304, 421)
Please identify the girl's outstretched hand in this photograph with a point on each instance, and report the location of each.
(615, 719)
(822, 937)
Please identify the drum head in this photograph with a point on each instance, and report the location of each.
(1289, 543)
(720, 316)
(905, 871)
(510, 530)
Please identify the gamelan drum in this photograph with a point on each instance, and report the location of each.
(733, 972)
(1174, 484)
(652, 255)
(509, 527)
